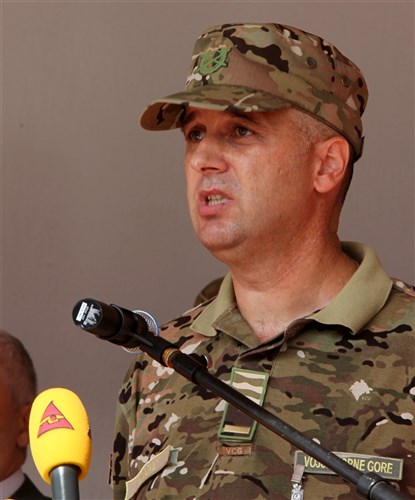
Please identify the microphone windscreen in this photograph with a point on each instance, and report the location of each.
(59, 432)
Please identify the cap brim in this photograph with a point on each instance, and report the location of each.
(167, 113)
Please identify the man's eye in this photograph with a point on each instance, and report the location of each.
(195, 135)
(241, 131)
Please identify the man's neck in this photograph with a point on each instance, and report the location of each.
(273, 294)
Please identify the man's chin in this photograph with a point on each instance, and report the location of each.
(218, 245)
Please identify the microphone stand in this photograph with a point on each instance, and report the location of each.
(193, 367)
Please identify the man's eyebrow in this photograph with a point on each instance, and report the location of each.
(239, 113)
(233, 112)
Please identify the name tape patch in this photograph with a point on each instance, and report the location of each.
(234, 451)
(386, 467)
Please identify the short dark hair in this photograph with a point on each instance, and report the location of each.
(18, 369)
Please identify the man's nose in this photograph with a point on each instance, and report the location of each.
(208, 157)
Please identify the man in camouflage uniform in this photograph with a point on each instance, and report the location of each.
(311, 328)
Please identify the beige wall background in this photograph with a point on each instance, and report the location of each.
(93, 206)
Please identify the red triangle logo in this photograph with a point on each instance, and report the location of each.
(52, 419)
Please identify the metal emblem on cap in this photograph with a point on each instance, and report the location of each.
(213, 59)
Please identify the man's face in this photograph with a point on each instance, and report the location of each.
(249, 182)
(13, 430)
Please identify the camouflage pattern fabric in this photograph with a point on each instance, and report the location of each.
(263, 67)
(350, 388)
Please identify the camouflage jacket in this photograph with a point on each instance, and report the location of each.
(344, 376)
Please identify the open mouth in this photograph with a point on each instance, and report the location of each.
(215, 199)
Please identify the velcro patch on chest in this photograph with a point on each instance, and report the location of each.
(386, 467)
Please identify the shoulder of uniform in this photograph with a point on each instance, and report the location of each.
(176, 331)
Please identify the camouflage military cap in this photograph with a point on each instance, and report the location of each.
(263, 67)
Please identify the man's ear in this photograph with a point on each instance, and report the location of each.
(331, 159)
(23, 416)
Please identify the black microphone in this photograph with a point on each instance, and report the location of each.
(115, 324)
(135, 331)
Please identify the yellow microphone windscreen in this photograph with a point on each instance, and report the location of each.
(59, 432)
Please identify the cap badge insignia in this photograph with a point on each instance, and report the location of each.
(213, 59)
